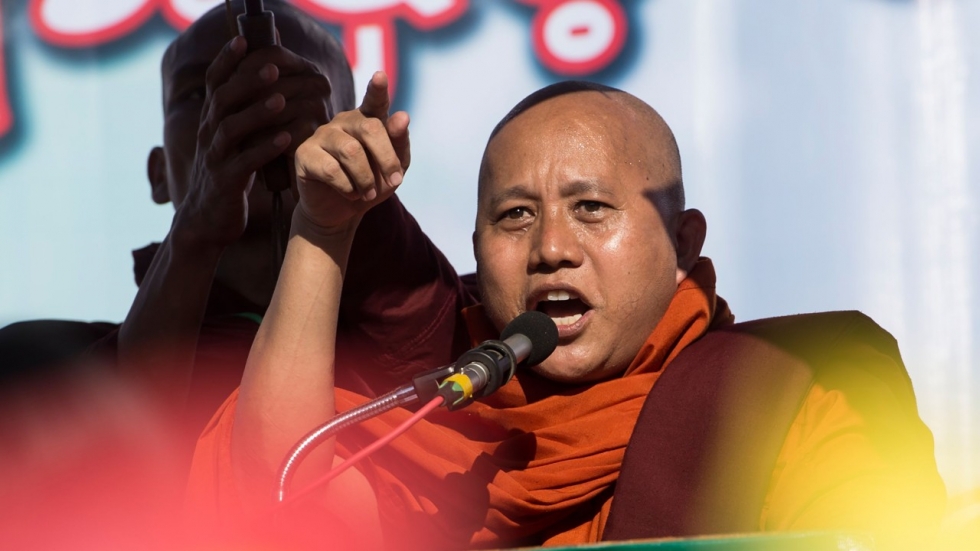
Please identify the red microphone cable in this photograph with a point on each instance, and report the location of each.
(375, 446)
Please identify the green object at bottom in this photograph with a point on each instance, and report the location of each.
(803, 541)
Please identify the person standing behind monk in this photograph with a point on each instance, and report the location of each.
(204, 289)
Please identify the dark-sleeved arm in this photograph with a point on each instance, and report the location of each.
(400, 306)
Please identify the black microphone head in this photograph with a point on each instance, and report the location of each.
(537, 327)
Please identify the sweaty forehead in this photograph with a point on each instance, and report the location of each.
(591, 121)
(610, 127)
(586, 115)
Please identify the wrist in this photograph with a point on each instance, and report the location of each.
(186, 241)
(328, 236)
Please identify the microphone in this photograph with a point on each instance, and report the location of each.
(527, 340)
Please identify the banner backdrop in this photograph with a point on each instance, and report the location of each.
(831, 144)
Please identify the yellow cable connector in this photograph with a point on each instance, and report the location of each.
(459, 385)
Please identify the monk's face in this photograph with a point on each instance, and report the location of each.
(567, 225)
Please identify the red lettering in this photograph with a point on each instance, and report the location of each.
(87, 23)
(578, 37)
(368, 25)
(570, 37)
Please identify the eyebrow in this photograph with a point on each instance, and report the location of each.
(515, 192)
(569, 189)
(581, 187)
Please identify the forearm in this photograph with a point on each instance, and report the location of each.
(158, 339)
(287, 388)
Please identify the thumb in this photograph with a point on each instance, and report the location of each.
(376, 101)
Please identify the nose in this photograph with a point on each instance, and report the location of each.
(555, 244)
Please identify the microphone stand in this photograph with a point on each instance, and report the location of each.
(423, 387)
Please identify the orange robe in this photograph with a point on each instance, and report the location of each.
(509, 469)
(536, 463)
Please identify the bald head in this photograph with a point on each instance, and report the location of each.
(639, 128)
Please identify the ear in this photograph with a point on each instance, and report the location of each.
(156, 173)
(690, 230)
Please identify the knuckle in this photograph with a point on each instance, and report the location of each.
(219, 140)
(370, 126)
(392, 164)
(331, 167)
(349, 149)
(332, 171)
(321, 132)
(219, 96)
(205, 134)
(346, 117)
(304, 150)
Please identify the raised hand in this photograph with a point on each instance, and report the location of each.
(256, 107)
(354, 162)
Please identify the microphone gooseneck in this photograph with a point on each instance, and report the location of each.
(527, 340)
(398, 397)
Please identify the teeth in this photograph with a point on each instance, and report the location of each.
(558, 295)
(567, 320)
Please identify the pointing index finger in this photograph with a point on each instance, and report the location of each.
(376, 101)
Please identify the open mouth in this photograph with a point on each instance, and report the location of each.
(562, 306)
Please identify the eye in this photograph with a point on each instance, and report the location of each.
(195, 94)
(515, 218)
(516, 213)
(590, 206)
(592, 210)
(190, 95)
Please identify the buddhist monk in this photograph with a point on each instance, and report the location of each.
(581, 216)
